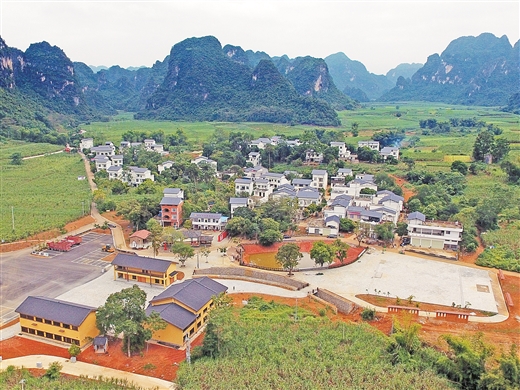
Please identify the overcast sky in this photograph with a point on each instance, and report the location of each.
(380, 34)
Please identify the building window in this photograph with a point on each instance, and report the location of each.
(134, 277)
(40, 333)
(38, 319)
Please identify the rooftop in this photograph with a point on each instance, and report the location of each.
(55, 310)
(146, 263)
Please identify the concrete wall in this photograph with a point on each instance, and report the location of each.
(343, 305)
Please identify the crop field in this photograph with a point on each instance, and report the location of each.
(41, 194)
(25, 149)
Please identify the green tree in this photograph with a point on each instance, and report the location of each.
(459, 166)
(288, 256)
(321, 253)
(16, 158)
(402, 229)
(171, 235)
(156, 234)
(183, 251)
(124, 312)
(205, 252)
(340, 249)
(483, 145)
(385, 231)
(53, 372)
(269, 237)
(347, 225)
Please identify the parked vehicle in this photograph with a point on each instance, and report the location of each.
(107, 248)
(76, 240)
(60, 246)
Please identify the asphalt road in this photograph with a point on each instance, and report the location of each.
(23, 274)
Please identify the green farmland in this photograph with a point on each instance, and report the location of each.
(41, 194)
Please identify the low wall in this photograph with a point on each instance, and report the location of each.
(251, 275)
(343, 305)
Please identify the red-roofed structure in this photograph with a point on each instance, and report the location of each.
(139, 239)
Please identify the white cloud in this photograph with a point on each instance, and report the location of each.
(380, 34)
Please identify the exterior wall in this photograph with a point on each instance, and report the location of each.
(145, 276)
(60, 331)
(172, 217)
(171, 334)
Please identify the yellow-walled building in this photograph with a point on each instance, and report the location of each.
(58, 320)
(144, 269)
(185, 307)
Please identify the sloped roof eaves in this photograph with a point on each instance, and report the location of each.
(146, 263)
(170, 201)
(143, 234)
(55, 310)
(173, 314)
(193, 293)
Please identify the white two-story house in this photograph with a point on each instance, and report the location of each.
(320, 178)
(433, 234)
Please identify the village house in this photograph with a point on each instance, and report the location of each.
(104, 150)
(262, 190)
(139, 239)
(235, 203)
(171, 211)
(301, 183)
(319, 178)
(374, 145)
(313, 157)
(208, 221)
(163, 166)
(117, 160)
(308, 196)
(58, 320)
(138, 175)
(275, 179)
(433, 234)
(343, 152)
(254, 158)
(244, 185)
(133, 268)
(388, 151)
(204, 160)
(115, 173)
(256, 172)
(102, 162)
(86, 143)
(184, 307)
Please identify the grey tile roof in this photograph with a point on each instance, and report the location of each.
(173, 314)
(302, 181)
(147, 263)
(341, 202)
(114, 168)
(194, 293)
(244, 180)
(238, 201)
(332, 218)
(170, 201)
(172, 191)
(206, 215)
(318, 172)
(393, 198)
(416, 215)
(370, 213)
(55, 310)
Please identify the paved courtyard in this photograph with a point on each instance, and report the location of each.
(430, 281)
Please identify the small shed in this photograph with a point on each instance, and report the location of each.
(100, 344)
(139, 240)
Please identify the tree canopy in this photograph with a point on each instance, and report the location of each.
(288, 256)
(124, 312)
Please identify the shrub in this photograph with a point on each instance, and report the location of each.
(368, 314)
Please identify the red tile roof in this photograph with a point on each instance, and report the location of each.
(143, 234)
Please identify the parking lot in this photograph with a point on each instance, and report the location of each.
(24, 274)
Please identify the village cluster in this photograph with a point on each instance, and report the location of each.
(355, 197)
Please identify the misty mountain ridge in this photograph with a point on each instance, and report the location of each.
(41, 87)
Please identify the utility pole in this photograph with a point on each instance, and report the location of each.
(83, 207)
(12, 215)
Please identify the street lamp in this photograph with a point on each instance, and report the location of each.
(22, 382)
